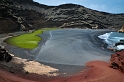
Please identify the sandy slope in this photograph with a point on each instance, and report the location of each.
(101, 72)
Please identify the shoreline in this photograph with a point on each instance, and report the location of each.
(31, 54)
(96, 72)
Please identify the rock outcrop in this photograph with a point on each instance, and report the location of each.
(117, 61)
(122, 29)
(120, 43)
(4, 55)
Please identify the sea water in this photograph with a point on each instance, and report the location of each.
(111, 38)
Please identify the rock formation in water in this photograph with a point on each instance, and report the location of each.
(122, 29)
(117, 61)
(120, 43)
(19, 15)
(4, 55)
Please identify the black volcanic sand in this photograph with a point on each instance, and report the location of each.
(70, 64)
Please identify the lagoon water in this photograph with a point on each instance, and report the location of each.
(111, 38)
(72, 47)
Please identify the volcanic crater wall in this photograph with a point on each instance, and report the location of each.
(17, 15)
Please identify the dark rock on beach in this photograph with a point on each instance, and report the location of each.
(4, 55)
(117, 61)
(120, 43)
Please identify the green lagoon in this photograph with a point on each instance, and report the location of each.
(28, 40)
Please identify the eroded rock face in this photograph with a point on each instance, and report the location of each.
(18, 15)
(117, 61)
(4, 55)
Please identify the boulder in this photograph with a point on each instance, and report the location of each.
(122, 29)
(4, 55)
(117, 61)
(120, 43)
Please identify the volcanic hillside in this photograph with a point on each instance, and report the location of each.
(17, 15)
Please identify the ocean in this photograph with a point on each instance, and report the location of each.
(111, 38)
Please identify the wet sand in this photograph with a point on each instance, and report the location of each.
(70, 49)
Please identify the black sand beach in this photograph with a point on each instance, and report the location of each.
(95, 69)
(85, 46)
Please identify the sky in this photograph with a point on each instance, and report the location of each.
(111, 6)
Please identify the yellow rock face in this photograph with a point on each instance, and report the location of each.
(122, 29)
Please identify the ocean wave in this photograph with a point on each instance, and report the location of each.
(111, 38)
(105, 37)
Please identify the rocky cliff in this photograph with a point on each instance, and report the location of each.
(19, 15)
(117, 61)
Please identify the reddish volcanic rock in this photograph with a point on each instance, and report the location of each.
(117, 61)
